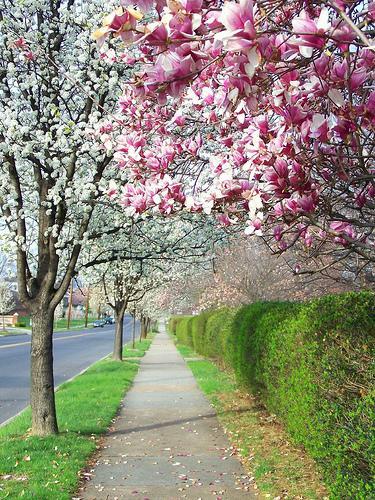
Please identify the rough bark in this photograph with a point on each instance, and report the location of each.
(145, 323)
(143, 328)
(42, 393)
(118, 343)
(133, 331)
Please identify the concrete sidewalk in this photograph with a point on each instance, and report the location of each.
(166, 443)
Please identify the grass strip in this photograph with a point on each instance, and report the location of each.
(59, 324)
(8, 333)
(74, 323)
(48, 468)
(279, 469)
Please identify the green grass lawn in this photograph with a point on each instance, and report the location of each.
(48, 468)
(74, 323)
(9, 331)
(60, 323)
(278, 468)
(186, 351)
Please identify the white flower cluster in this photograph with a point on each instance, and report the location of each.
(51, 165)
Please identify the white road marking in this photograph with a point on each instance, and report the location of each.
(59, 338)
(56, 338)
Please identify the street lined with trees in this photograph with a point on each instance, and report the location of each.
(198, 157)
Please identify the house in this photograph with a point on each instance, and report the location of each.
(78, 303)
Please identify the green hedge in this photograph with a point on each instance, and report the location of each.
(172, 324)
(20, 324)
(183, 329)
(312, 364)
(25, 320)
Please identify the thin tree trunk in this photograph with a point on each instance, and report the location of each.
(87, 307)
(133, 330)
(42, 392)
(146, 323)
(145, 328)
(118, 344)
(70, 305)
(142, 336)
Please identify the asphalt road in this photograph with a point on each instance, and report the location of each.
(74, 351)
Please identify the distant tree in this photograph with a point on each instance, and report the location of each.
(97, 299)
(59, 311)
(6, 300)
(243, 272)
(153, 251)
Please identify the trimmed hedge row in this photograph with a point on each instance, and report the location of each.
(312, 364)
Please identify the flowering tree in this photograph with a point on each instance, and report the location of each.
(6, 299)
(131, 264)
(97, 299)
(122, 282)
(262, 112)
(53, 171)
(247, 271)
(243, 272)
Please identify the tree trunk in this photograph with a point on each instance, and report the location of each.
(42, 393)
(143, 325)
(87, 307)
(133, 331)
(70, 305)
(118, 344)
(146, 327)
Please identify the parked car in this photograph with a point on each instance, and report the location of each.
(109, 320)
(99, 322)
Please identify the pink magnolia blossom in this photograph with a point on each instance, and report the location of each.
(343, 34)
(345, 231)
(173, 70)
(254, 227)
(233, 103)
(238, 19)
(121, 23)
(311, 32)
(371, 10)
(20, 43)
(224, 220)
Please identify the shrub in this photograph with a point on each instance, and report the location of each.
(312, 364)
(25, 319)
(183, 330)
(198, 327)
(172, 324)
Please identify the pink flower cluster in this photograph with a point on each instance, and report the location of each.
(21, 45)
(264, 114)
